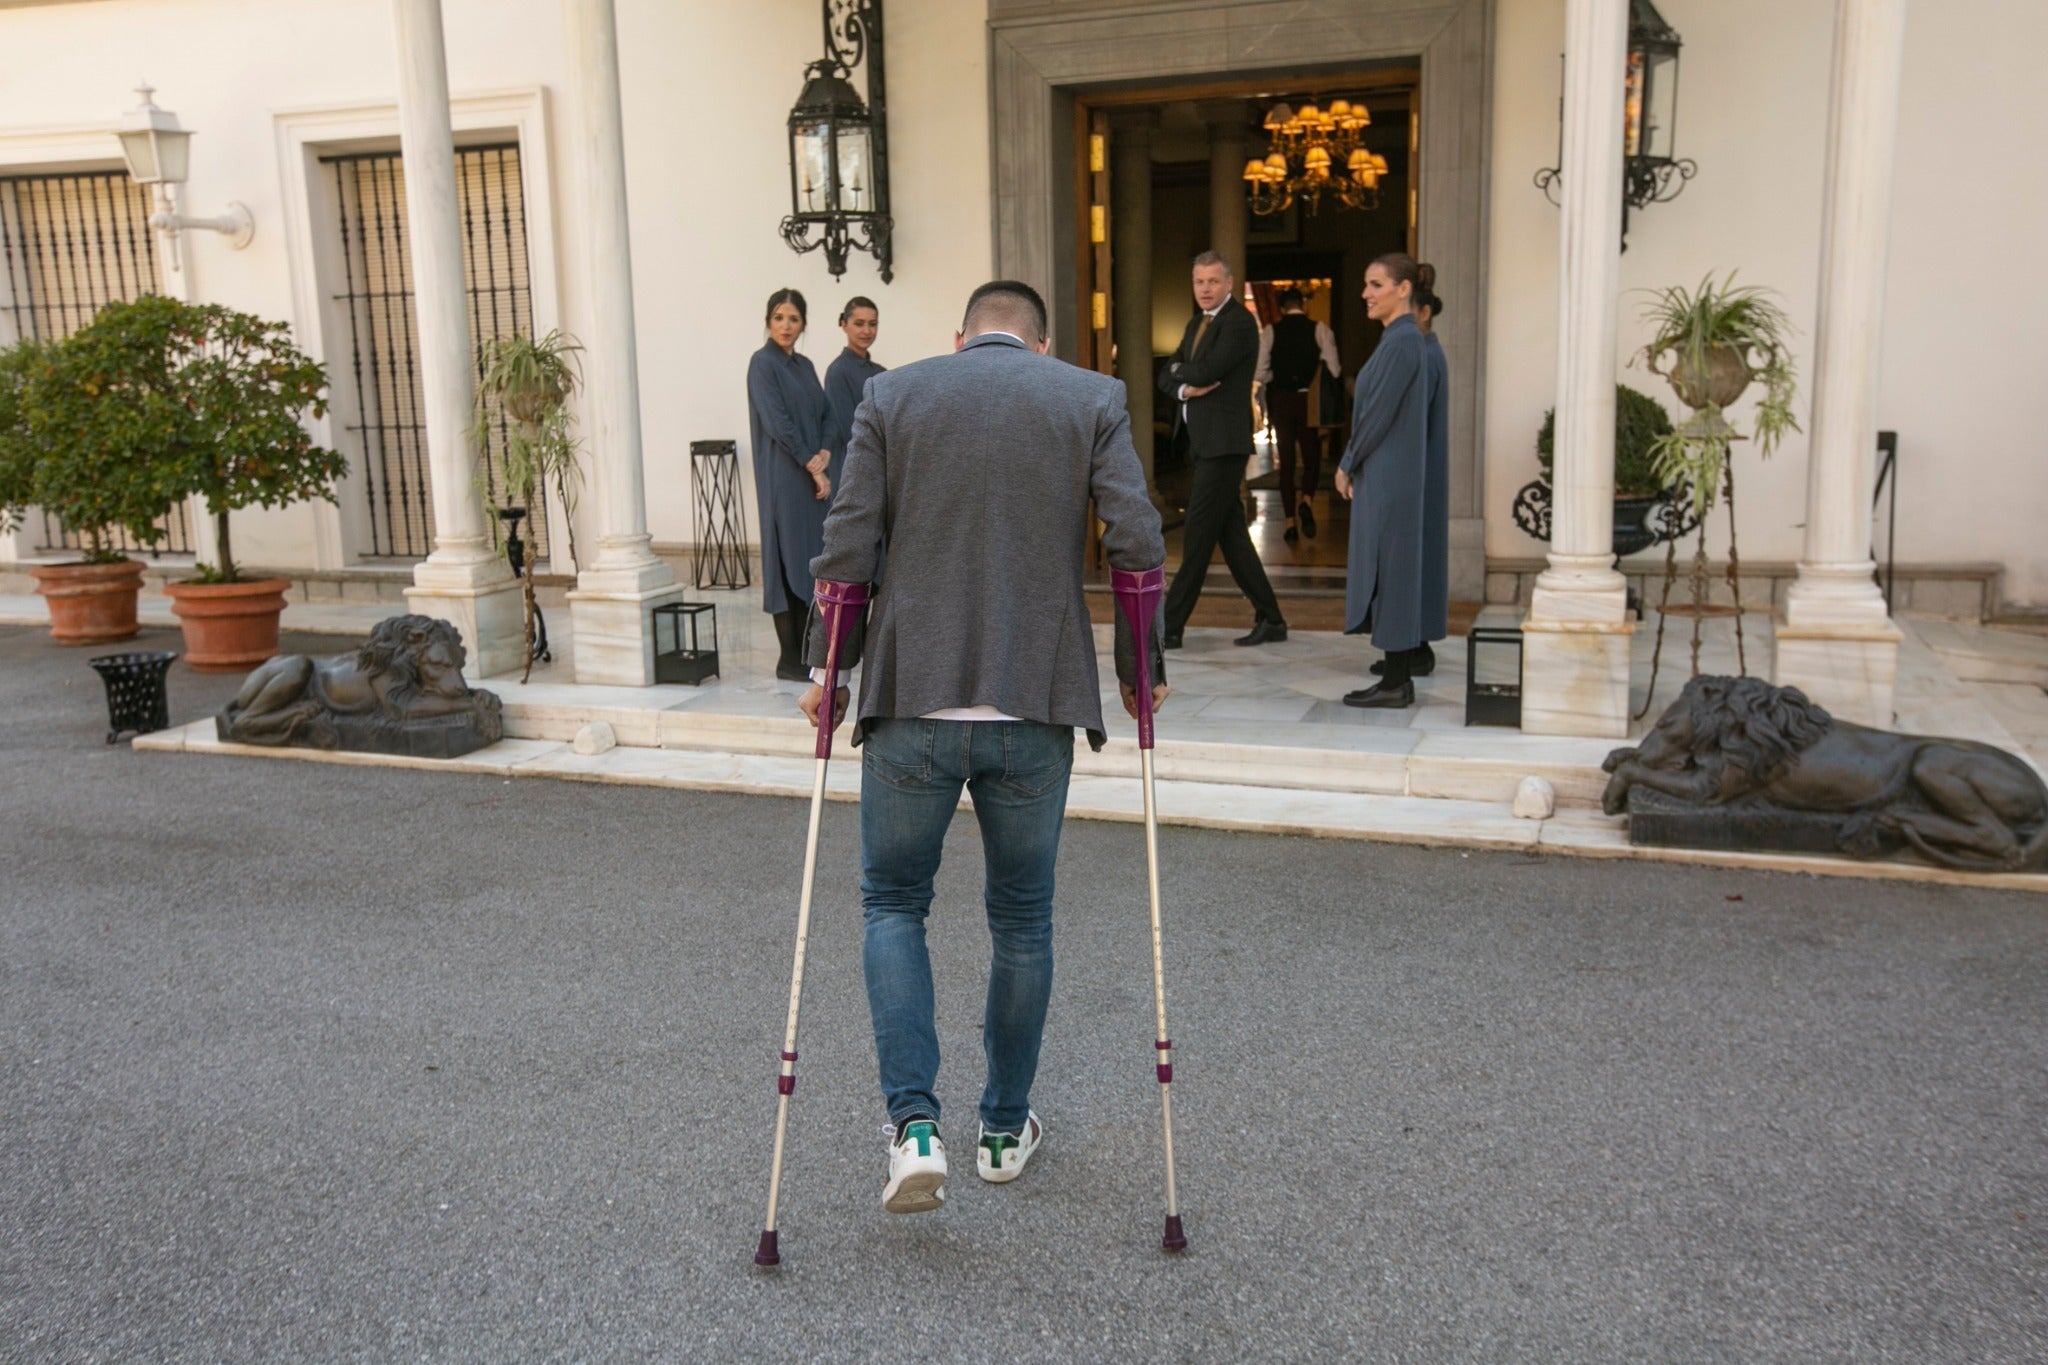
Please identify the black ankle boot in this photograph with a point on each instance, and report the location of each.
(789, 634)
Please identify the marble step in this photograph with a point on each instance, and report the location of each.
(1446, 765)
(1363, 816)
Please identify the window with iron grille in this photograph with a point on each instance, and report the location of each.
(70, 244)
(382, 363)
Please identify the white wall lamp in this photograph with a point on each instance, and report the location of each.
(159, 153)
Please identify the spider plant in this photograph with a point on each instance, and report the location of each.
(1711, 343)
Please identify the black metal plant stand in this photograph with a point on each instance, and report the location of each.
(720, 559)
(515, 551)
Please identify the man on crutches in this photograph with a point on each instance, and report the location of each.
(975, 471)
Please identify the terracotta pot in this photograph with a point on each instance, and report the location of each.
(229, 627)
(1725, 377)
(90, 604)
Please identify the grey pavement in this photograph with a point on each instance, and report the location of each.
(304, 1062)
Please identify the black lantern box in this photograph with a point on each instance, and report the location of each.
(685, 643)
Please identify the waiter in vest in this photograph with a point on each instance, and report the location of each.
(1289, 352)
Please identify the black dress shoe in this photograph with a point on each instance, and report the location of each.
(792, 673)
(1264, 633)
(1171, 639)
(1307, 516)
(1290, 535)
(1382, 694)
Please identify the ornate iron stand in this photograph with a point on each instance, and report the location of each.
(720, 559)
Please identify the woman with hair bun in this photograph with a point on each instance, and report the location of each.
(846, 378)
(1436, 487)
(786, 417)
(1384, 464)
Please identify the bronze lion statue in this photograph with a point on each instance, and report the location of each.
(401, 693)
(1741, 742)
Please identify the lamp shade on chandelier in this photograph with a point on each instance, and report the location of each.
(1313, 151)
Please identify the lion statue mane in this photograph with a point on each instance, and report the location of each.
(1729, 742)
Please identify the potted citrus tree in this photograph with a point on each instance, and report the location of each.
(92, 432)
(525, 386)
(248, 390)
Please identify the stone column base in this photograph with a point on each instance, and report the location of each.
(490, 616)
(1851, 671)
(1575, 678)
(613, 633)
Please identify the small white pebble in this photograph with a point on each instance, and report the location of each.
(595, 738)
(1535, 799)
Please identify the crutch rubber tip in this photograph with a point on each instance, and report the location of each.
(1174, 1240)
(768, 1254)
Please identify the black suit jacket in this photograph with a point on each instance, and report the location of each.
(1219, 423)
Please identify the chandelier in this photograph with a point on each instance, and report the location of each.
(1311, 152)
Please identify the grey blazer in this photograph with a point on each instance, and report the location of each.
(975, 470)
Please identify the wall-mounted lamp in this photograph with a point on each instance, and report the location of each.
(1650, 171)
(839, 146)
(159, 154)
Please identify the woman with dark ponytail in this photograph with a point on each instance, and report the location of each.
(786, 415)
(846, 378)
(1436, 486)
(1384, 464)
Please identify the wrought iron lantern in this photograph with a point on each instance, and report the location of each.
(1650, 173)
(159, 154)
(839, 145)
(681, 655)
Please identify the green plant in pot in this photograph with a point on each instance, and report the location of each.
(93, 431)
(247, 390)
(1710, 344)
(1639, 421)
(523, 390)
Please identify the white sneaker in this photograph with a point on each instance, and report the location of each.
(1000, 1157)
(917, 1168)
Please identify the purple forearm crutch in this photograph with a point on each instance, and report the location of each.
(839, 606)
(1137, 597)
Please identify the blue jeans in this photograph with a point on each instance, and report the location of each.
(911, 775)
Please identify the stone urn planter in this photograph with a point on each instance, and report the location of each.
(90, 604)
(1716, 383)
(229, 627)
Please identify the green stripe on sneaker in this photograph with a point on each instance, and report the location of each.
(924, 1133)
(996, 1144)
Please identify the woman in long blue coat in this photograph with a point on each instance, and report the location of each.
(787, 417)
(1383, 472)
(846, 378)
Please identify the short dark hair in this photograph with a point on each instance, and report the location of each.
(1288, 298)
(1005, 301)
(791, 297)
(858, 301)
(1215, 257)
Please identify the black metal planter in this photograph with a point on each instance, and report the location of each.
(136, 701)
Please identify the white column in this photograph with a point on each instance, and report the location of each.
(1575, 666)
(1836, 641)
(623, 582)
(1229, 211)
(1130, 244)
(464, 581)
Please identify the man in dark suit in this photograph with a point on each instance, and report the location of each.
(1210, 377)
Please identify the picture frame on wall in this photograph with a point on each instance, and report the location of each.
(1279, 229)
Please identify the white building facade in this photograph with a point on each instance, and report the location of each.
(1856, 156)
